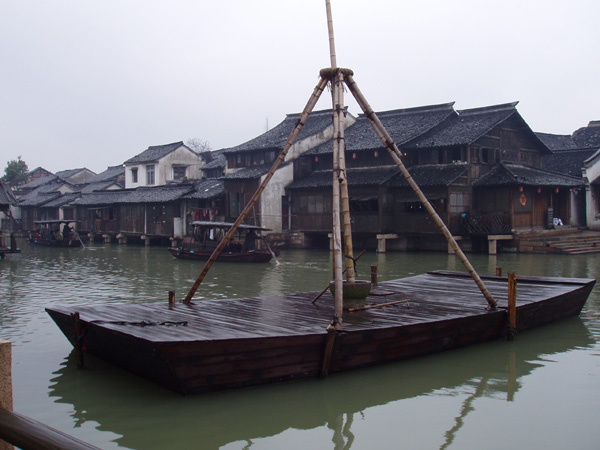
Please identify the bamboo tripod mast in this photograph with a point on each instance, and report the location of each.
(340, 186)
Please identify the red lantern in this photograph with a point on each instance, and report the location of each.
(539, 190)
(520, 188)
(316, 159)
(556, 190)
(354, 156)
(376, 153)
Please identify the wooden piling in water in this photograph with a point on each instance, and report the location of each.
(512, 305)
(373, 274)
(6, 395)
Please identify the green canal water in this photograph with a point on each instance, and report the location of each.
(541, 391)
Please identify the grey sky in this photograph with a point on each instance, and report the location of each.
(92, 83)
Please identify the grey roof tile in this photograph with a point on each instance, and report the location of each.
(589, 136)
(505, 174)
(567, 162)
(111, 173)
(465, 128)
(373, 176)
(206, 190)
(158, 194)
(403, 125)
(7, 197)
(432, 175)
(61, 200)
(253, 172)
(557, 141)
(276, 137)
(154, 153)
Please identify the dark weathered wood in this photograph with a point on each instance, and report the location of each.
(512, 305)
(226, 344)
(373, 274)
(29, 434)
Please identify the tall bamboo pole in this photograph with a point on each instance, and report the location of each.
(339, 114)
(331, 37)
(312, 101)
(395, 154)
(336, 232)
(338, 305)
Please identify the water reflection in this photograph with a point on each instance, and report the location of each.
(430, 402)
(493, 370)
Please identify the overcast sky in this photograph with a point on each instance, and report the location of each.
(92, 83)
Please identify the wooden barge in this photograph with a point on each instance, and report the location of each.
(214, 345)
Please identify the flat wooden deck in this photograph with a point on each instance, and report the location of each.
(428, 297)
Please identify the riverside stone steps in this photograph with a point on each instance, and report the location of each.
(568, 241)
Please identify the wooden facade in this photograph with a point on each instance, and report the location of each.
(479, 168)
(482, 170)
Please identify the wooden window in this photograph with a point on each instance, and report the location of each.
(179, 172)
(134, 175)
(459, 202)
(150, 175)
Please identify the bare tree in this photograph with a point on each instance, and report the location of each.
(198, 145)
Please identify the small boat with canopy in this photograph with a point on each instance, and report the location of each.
(247, 245)
(56, 233)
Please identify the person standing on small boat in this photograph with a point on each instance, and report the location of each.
(250, 241)
(67, 230)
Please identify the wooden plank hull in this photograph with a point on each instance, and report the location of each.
(246, 257)
(228, 344)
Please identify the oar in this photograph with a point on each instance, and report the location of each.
(79, 237)
(272, 252)
(344, 271)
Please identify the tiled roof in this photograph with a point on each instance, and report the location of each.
(253, 172)
(557, 141)
(219, 161)
(6, 195)
(206, 190)
(112, 173)
(103, 197)
(276, 137)
(62, 200)
(567, 162)
(465, 128)
(356, 177)
(37, 198)
(589, 136)
(38, 182)
(158, 194)
(505, 174)
(433, 175)
(99, 186)
(42, 194)
(154, 153)
(403, 125)
(64, 174)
